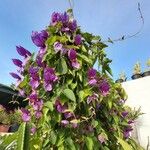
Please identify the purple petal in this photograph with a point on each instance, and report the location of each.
(56, 17)
(58, 47)
(22, 51)
(73, 25)
(17, 62)
(39, 38)
(38, 114)
(64, 18)
(68, 115)
(16, 76)
(34, 83)
(124, 114)
(104, 87)
(72, 54)
(75, 64)
(78, 39)
(101, 138)
(92, 73)
(33, 130)
(48, 86)
(25, 115)
(92, 82)
(64, 122)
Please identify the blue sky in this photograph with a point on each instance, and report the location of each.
(107, 18)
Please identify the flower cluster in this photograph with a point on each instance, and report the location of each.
(68, 25)
(49, 78)
(96, 81)
(69, 117)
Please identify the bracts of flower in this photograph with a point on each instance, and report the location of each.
(69, 99)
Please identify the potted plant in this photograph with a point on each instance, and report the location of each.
(147, 72)
(4, 120)
(137, 71)
(122, 78)
(15, 120)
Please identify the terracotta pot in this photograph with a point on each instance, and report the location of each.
(4, 128)
(136, 76)
(146, 73)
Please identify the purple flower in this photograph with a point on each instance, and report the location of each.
(38, 105)
(102, 138)
(64, 18)
(64, 122)
(104, 87)
(25, 115)
(38, 114)
(72, 54)
(127, 132)
(33, 71)
(91, 73)
(68, 115)
(92, 82)
(92, 76)
(49, 78)
(72, 25)
(34, 77)
(26, 60)
(34, 83)
(49, 74)
(58, 47)
(78, 39)
(48, 86)
(130, 122)
(17, 62)
(39, 58)
(22, 51)
(14, 75)
(33, 130)
(56, 17)
(39, 61)
(39, 38)
(75, 64)
(92, 97)
(59, 107)
(124, 114)
(33, 97)
(73, 58)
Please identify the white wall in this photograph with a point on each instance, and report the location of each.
(139, 95)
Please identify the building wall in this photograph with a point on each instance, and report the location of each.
(139, 96)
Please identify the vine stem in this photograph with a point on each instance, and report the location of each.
(71, 5)
(124, 37)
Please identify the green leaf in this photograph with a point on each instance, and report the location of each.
(89, 143)
(53, 137)
(51, 40)
(85, 58)
(24, 82)
(20, 141)
(124, 144)
(62, 67)
(49, 105)
(70, 143)
(69, 94)
(81, 95)
(7, 141)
